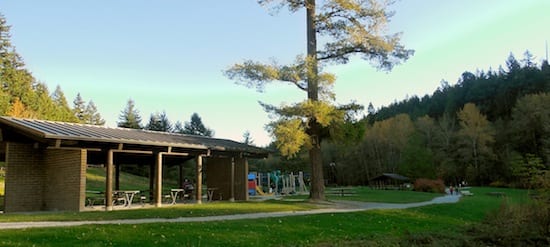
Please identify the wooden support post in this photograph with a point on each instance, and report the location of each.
(198, 187)
(232, 198)
(109, 182)
(158, 179)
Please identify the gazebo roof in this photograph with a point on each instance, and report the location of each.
(64, 134)
(391, 176)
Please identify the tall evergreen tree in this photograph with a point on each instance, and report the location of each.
(93, 115)
(512, 64)
(154, 122)
(165, 124)
(528, 59)
(86, 113)
(19, 110)
(196, 127)
(79, 108)
(159, 122)
(44, 105)
(129, 117)
(247, 138)
(370, 109)
(62, 110)
(348, 27)
(4, 102)
(15, 80)
(20, 90)
(178, 128)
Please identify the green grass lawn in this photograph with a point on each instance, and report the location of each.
(366, 194)
(176, 211)
(368, 228)
(218, 208)
(384, 227)
(95, 181)
(391, 196)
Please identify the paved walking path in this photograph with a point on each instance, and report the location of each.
(335, 207)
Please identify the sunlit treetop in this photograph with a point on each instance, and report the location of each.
(352, 27)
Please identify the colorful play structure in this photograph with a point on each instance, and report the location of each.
(275, 183)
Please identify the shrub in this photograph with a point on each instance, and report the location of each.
(515, 225)
(498, 184)
(429, 185)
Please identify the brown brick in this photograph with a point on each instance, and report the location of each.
(44, 179)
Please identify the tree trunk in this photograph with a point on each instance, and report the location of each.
(317, 191)
(312, 79)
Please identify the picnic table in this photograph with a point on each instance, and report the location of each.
(126, 195)
(210, 194)
(94, 196)
(341, 191)
(174, 194)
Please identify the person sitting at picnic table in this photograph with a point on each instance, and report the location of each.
(188, 187)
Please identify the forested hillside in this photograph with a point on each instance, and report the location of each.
(491, 127)
(22, 95)
(494, 92)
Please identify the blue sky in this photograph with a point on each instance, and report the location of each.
(170, 55)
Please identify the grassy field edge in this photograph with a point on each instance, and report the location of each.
(449, 222)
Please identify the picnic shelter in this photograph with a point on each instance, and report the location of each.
(388, 181)
(46, 162)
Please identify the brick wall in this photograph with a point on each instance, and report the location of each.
(66, 173)
(39, 179)
(25, 178)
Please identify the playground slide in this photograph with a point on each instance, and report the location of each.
(261, 192)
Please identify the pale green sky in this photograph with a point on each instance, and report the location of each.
(169, 55)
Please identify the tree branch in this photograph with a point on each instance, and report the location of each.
(253, 74)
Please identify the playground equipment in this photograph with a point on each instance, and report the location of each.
(276, 183)
(254, 188)
(261, 191)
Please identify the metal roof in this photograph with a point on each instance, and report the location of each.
(391, 175)
(53, 130)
